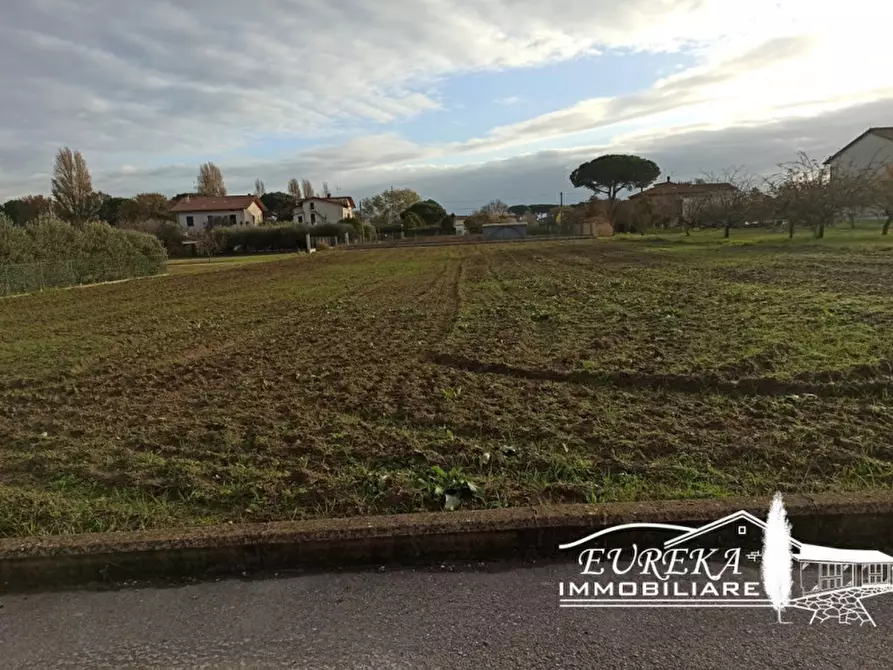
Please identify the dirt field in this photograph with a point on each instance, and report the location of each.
(549, 372)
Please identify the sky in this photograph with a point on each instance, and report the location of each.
(464, 101)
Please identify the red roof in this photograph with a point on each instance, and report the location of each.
(224, 203)
(671, 188)
(344, 201)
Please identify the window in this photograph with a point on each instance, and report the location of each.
(875, 574)
(312, 205)
(742, 530)
(190, 221)
(300, 219)
(232, 219)
(830, 576)
(313, 219)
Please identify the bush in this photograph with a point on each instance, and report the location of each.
(331, 230)
(15, 244)
(49, 252)
(247, 239)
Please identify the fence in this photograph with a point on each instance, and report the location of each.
(29, 277)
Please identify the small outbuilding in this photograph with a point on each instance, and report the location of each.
(510, 230)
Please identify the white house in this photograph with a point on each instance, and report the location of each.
(194, 211)
(315, 211)
(872, 149)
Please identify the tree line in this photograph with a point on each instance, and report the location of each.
(802, 193)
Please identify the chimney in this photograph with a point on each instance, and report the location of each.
(668, 179)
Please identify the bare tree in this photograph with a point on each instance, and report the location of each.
(307, 187)
(729, 200)
(294, 188)
(325, 190)
(73, 187)
(210, 181)
(807, 194)
(881, 196)
(495, 208)
(259, 187)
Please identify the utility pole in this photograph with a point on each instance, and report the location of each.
(560, 208)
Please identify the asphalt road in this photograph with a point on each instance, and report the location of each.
(453, 616)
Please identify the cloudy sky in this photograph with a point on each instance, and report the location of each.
(463, 100)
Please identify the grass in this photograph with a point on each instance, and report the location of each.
(366, 382)
(179, 266)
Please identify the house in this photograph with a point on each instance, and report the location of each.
(459, 225)
(195, 211)
(315, 211)
(676, 201)
(872, 151)
(830, 568)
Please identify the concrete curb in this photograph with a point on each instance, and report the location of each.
(863, 520)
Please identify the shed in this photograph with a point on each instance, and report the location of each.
(511, 230)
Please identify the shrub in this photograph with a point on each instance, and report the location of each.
(246, 239)
(49, 252)
(15, 244)
(331, 230)
(52, 238)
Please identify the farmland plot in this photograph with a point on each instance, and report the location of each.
(525, 374)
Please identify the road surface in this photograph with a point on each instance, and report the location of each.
(450, 616)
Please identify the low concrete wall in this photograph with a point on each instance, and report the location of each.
(851, 521)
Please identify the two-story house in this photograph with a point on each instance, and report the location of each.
(872, 151)
(315, 211)
(195, 211)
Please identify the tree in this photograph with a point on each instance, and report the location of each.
(325, 190)
(279, 204)
(210, 181)
(386, 207)
(73, 188)
(307, 188)
(805, 193)
(259, 188)
(520, 210)
(112, 209)
(613, 173)
(776, 560)
(412, 221)
(496, 209)
(294, 189)
(429, 211)
(731, 206)
(448, 224)
(152, 206)
(22, 210)
(882, 196)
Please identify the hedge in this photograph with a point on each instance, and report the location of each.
(48, 252)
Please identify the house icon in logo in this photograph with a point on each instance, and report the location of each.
(832, 582)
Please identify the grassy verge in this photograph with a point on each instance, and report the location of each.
(374, 381)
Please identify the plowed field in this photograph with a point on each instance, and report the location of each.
(543, 372)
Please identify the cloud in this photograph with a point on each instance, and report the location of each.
(539, 176)
(153, 85)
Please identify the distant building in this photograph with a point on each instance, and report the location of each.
(675, 201)
(194, 211)
(873, 149)
(315, 211)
